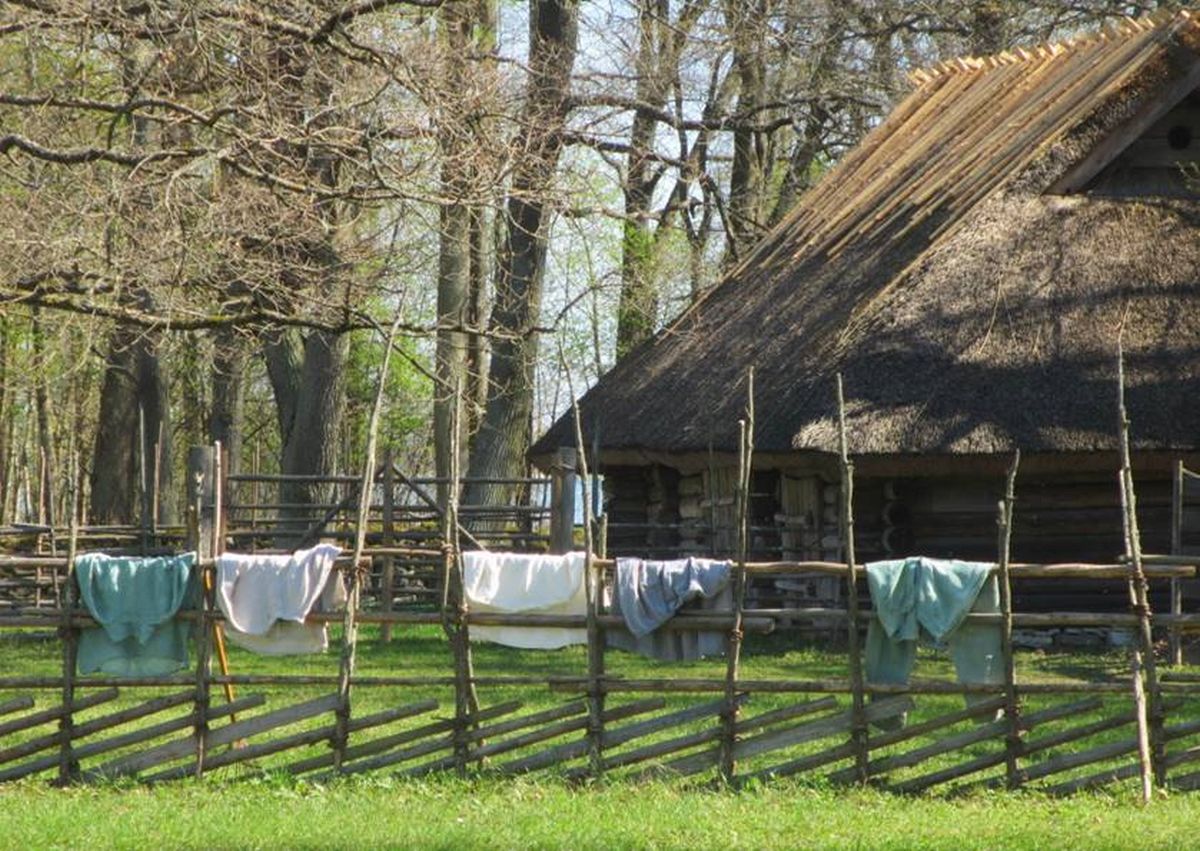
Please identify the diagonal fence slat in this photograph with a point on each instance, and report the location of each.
(551, 731)
(809, 731)
(386, 746)
(303, 739)
(16, 704)
(36, 719)
(967, 738)
(918, 784)
(79, 731)
(133, 737)
(1124, 772)
(573, 750)
(230, 733)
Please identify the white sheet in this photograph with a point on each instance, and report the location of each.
(265, 599)
(529, 584)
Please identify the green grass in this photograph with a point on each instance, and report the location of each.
(547, 814)
(254, 806)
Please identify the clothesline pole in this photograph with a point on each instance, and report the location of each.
(1149, 721)
(1012, 708)
(858, 731)
(350, 624)
(218, 546)
(202, 545)
(70, 640)
(388, 563)
(466, 702)
(1176, 645)
(729, 714)
(595, 636)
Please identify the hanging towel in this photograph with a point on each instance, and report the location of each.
(529, 584)
(135, 601)
(919, 597)
(649, 593)
(265, 599)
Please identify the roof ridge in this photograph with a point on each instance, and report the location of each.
(1126, 27)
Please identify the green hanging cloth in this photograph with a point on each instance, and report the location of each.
(135, 601)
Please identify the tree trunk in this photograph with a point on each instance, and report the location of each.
(639, 297)
(454, 252)
(747, 22)
(308, 376)
(133, 382)
(45, 436)
(228, 396)
(499, 450)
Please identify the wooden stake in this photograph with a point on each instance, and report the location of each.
(1176, 549)
(218, 547)
(349, 624)
(858, 731)
(454, 602)
(729, 716)
(388, 563)
(1013, 742)
(595, 634)
(203, 643)
(1149, 724)
(67, 768)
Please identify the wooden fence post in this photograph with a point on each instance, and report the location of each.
(200, 539)
(387, 578)
(858, 730)
(1012, 708)
(70, 637)
(1150, 743)
(562, 499)
(1176, 644)
(729, 713)
(595, 633)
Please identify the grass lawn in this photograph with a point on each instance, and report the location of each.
(449, 813)
(253, 806)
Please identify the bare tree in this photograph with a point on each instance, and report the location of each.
(499, 449)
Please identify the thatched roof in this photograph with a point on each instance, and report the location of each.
(969, 309)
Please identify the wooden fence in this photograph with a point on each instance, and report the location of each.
(1055, 734)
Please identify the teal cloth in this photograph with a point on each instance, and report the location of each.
(134, 600)
(923, 597)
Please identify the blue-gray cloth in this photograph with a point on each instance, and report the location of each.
(918, 597)
(649, 593)
(135, 601)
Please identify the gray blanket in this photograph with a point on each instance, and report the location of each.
(649, 593)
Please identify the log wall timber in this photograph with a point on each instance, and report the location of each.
(793, 515)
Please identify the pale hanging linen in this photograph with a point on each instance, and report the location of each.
(265, 599)
(512, 583)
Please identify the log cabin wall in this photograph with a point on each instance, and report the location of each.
(662, 512)
(1056, 519)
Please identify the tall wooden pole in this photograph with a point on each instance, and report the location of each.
(1149, 722)
(595, 634)
(200, 538)
(858, 731)
(1176, 549)
(454, 599)
(387, 579)
(1013, 742)
(729, 715)
(70, 637)
(350, 622)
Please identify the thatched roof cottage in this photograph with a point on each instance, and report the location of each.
(969, 268)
